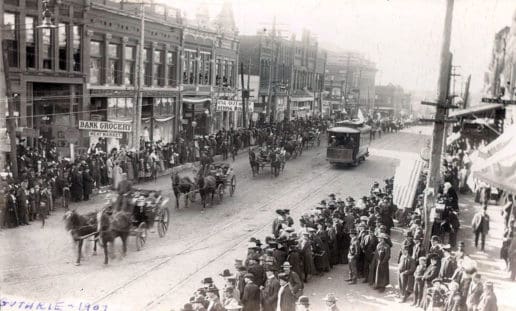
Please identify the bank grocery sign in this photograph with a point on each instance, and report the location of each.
(105, 126)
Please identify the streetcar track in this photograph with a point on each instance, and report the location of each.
(235, 245)
(186, 250)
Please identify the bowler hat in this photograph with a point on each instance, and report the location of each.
(207, 280)
(226, 273)
(303, 300)
(283, 276)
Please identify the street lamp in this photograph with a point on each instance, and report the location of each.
(46, 23)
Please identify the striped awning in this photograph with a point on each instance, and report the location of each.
(406, 180)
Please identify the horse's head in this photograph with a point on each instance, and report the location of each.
(102, 220)
(71, 219)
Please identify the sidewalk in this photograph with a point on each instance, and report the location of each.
(490, 266)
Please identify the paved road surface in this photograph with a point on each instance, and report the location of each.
(37, 264)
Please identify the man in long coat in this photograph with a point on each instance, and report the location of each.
(251, 294)
(296, 261)
(87, 184)
(269, 292)
(21, 204)
(406, 268)
(305, 245)
(383, 254)
(286, 299)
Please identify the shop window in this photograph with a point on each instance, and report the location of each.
(172, 69)
(11, 38)
(76, 47)
(157, 72)
(129, 64)
(47, 47)
(95, 62)
(114, 69)
(30, 42)
(62, 37)
(147, 58)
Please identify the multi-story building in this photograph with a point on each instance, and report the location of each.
(47, 68)
(112, 46)
(87, 68)
(349, 84)
(291, 74)
(392, 100)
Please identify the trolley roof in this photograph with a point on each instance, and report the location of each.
(344, 130)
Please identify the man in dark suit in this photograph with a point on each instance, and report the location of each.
(406, 268)
(488, 299)
(296, 285)
(480, 226)
(251, 295)
(448, 264)
(22, 204)
(269, 292)
(368, 246)
(286, 299)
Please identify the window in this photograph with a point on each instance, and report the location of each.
(95, 62)
(147, 58)
(46, 48)
(218, 71)
(171, 67)
(191, 60)
(157, 72)
(114, 68)
(185, 68)
(30, 43)
(129, 64)
(120, 108)
(11, 38)
(231, 79)
(76, 48)
(63, 45)
(205, 69)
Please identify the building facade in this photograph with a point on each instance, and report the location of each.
(291, 74)
(349, 84)
(391, 100)
(47, 69)
(87, 68)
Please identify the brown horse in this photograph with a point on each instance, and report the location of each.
(183, 185)
(113, 224)
(207, 185)
(79, 227)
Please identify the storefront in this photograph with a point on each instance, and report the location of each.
(197, 112)
(159, 122)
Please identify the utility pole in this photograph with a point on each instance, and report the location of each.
(10, 122)
(248, 87)
(244, 103)
(438, 139)
(137, 121)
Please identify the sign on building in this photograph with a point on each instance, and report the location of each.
(106, 134)
(105, 126)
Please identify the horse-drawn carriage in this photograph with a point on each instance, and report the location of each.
(312, 138)
(132, 213)
(212, 179)
(260, 158)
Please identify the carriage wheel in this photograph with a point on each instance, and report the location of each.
(141, 236)
(163, 221)
(220, 191)
(233, 186)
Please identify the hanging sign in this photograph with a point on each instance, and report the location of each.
(226, 105)
(105, 126)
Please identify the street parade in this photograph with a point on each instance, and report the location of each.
(270, 156)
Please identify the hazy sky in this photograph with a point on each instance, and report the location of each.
(403, 37)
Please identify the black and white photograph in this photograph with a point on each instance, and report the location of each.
(258, 155)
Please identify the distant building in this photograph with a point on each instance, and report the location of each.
(349, 83)
(291, 74)
(391, 100)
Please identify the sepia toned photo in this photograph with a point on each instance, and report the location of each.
(258, 155)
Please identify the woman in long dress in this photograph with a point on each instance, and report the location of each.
(117, 175)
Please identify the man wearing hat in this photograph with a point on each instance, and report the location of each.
(448, 264)
(407, 242)
(286, 299)
(331, 302)
(406, 268)
(488, 300)
(352, 258)
(296, 285)
(208, 285)
(187, 307)
(269, 292)
(436, 295)
(295, 260)
(279, 222)
(251, 294)
(418, 249)
(475, 291)
(303, 304)
(305, 247)
(214, 301)
(288, 218)
(257, 271)
(419, 282)
(368, 246)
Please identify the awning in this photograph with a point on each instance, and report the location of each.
(406, 180)
(474, 110)
(501, 142)
(499, 168)
(194, 100)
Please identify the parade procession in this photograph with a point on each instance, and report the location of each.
(272, 155)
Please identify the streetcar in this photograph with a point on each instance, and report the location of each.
(348, 143)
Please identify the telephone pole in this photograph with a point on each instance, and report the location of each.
(438, 139)
(9, 121)
(139, 98)
(244, 103)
